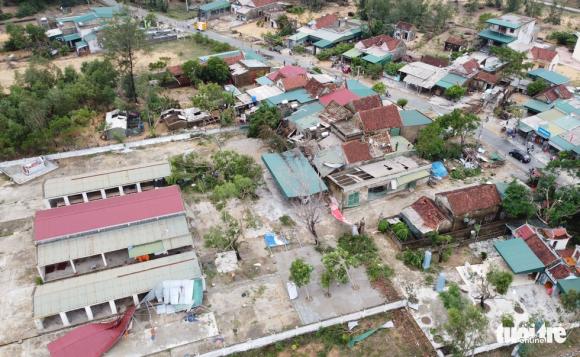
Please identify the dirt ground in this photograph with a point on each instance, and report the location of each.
(330, 8)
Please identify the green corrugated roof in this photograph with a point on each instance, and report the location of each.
(106, 12)
(144, 249)
(560, 143)
(71, 37)
(298, 36)
(215, 5)
(300, 95)
(81, 44)
(322, 43)
(504, 23)
(551, 115)
(352, 53)
(496, 36)
(569, 284)
(450, 80)
(414, 117)
(518, 256)
(524, 127)
(537, 105)
(293, 174)
(550, 76)
(566, 107)
(306, 110)
(377, 59)
(359, 89)
(307, 122)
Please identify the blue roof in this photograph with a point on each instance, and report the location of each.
(537, 106)
(450, 80)
(293, 174)
(496, 36)
(306, 110)
(251, 55)
(518, 256)
(550, 76)
(560, 143)
(300, 95)
(377, 59)
(359, 89)
(414, 117)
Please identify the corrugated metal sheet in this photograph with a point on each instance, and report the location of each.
(145, 249)
(412, 177)
(550, 76)
(58, 187)
(518, 256)
(101, 287)
(414, 117)
(172, 228)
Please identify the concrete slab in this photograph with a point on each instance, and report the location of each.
(343, 298)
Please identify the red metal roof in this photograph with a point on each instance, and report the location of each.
(294, 82)
(553, 93)
(487, 77)
(454, 40)
(260, 3)
(111, 212)
(381, 118)
(326, 21)
(356, 151)
(434, 61)
(543, 54)
(234, 59)
(341, 96)
(91, 340)
(560, 271)
(431, 215)
(404, 26)
(555, 233)
(471, 66)
(287, 71)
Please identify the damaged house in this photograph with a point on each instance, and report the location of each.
(176, 119)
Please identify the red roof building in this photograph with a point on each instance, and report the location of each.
(525, 231)
(290, 83)
(286, 72)
(434, 61)
(432, 216)
(543, 54)
(341, 96)
(554, 93)
(487, 77)
(317, 89)
(365, 103)
(541, 250)
(356, 151)
(387, 117)
(470, 199)
(325, 21)
(560, 271)
(234, 59)
(471, 66)
(88, 217)
(378, 41)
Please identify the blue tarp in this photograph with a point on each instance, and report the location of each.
(272, 240)
(438, 169)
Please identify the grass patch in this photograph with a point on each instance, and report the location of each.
(185, 48)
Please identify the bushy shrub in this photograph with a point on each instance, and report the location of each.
(384, 226)
(401, 231)
(507, 320)
(501, 280)
(376, 270)
(412, 258)
(452, 298)
(287, 221)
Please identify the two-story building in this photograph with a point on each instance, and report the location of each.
(512, 30)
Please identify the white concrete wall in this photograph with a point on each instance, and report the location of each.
(526, 33)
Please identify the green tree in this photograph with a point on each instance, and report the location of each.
(430, 144)
(466, 329)
(265, 116)
(558, 203)
(150, 20)
(513, 5)
(392, 68)
(472, 6)
(442, 243)
(518, 201)
(563, 38)
(380, 88)
(300, 273)
(122, 38)
(193, 70)
(517, 64)
(570, 300)
(338, 263)
(536, 87)
(285, 26)
(501, 280)
(226, 236)
(532, 8)
(555, 13)
(455, 92)
(212, 97)
(459, 123)
(402, 102)
(216, 70)
(452, 298)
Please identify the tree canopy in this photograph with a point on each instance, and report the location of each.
(265, 116)
(517, 64)
(211, 97)
(459, 123)
(518, 201)
(300, 273)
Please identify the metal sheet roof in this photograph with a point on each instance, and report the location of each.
(101, 287)
(504, 23)
(215, 5)
(518, 256)
(293, 174)
(496, 36)
(568, 122)
(414, 117)
(329, 160)
(322, 44)
(414, 176)
(112, 213)
(63, 186)
(171, 228)
(359, 89)
(551, 115)
(300, 95)
(537, 105)
(550, 76)
(450, 80)
(352, 53)
(569, 284)
(377, 59)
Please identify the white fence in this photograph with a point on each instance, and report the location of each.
(268, 340)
